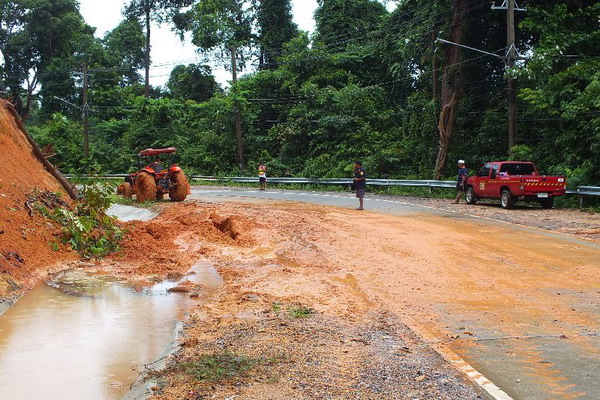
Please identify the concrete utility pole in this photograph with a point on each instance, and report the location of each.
(236, 110)
(85, 111)
(147, 10)
(434, 65)
(511, 55)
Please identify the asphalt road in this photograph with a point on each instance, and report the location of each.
(536, 362)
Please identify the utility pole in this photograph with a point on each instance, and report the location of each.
(85, 111)
(236, 110)
(147, 50)
(511, 55)
(434, 65)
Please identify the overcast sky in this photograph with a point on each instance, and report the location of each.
(167, 49)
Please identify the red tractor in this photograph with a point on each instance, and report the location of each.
(154, 180)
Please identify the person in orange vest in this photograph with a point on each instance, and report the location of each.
(262, 176)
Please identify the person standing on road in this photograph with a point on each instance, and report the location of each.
(262, 176)
(461, 181)
(360, 183)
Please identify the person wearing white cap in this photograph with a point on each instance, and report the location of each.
(461, 181)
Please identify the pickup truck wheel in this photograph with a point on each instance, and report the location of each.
(507, 200)
(470, 195)
(547, 203)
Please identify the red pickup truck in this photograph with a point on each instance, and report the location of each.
(510, 181)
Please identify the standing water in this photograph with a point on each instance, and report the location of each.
(89, 337)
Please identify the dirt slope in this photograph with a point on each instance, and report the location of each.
(25, 252)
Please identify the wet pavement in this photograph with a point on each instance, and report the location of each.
(538, 343)
(128, 213)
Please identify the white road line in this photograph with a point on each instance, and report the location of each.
(455, 360)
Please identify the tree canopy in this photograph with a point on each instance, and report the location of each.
(368, 83)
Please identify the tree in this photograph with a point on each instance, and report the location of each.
(194, 82)
(153, 10)
(222, 27)
(275, 27)
(125, 49)
(225, 26)
(451, 86)
(560, 88)
(35, 35)
(17, 52)
(342, 22)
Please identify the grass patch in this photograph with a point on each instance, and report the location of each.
(224, 366)
(300, 312)
(276, 307)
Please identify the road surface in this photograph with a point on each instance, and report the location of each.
(522, 306)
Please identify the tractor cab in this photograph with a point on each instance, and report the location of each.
(157, 161)
(156, 176)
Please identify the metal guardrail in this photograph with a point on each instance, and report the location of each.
(430, 184)
(585, 191)
(347, 181)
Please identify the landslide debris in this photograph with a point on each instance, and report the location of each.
(25, 253)
(171, 243)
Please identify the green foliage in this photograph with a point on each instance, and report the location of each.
(65, 136)
(276, 27)
(192, 82)
(125, 47)
(361, 87)
(276, 307)
(220, 25)
(86, 227)
(224, 366)
(300, 312)
(42, 41)
(339, 20)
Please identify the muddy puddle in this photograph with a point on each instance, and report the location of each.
(87, 336)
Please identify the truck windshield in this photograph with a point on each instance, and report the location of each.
(518, 168)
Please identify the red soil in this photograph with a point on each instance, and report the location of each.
(25, 252)
(170, 244)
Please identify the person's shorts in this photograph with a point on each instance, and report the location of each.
(262, 180)
(460, 188)
(360, 193)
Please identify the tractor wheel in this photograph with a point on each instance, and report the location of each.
(125, 190)
(145, 187)
(180, 187)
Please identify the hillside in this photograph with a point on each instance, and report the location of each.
(25, 251)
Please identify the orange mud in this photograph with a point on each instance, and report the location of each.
(25, 253)
(182, 188)
(437, 271)
(172, 243)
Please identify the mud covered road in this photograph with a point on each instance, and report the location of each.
(379, 291)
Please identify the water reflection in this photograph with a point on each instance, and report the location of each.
(87, 340)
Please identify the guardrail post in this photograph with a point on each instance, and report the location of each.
(580, 202)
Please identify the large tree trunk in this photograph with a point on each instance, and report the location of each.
(451, 86)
